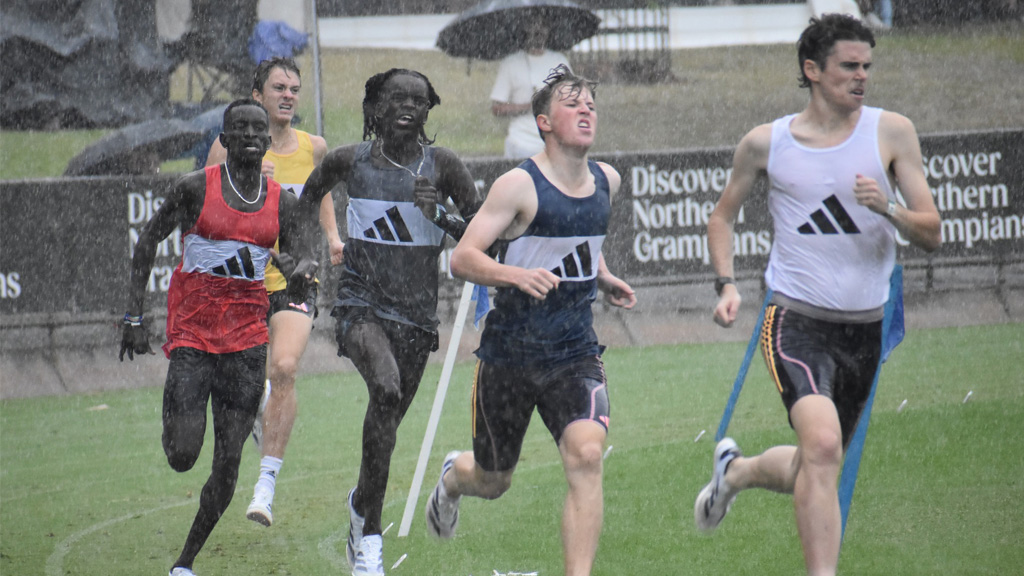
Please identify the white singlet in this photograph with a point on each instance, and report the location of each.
(829, 251)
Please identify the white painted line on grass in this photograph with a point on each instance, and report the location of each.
(55, 563)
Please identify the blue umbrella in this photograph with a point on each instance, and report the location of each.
(494, 29)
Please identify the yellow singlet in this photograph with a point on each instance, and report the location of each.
(291, 171)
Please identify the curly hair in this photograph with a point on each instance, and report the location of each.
(374, 93)
(817, 40)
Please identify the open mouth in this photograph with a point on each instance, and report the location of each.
(584, 124)
(405, 119)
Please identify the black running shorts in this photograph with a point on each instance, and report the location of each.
(808, 356)
(280, 302)
(504, 398)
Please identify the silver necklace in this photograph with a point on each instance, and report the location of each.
(423, 157)
(258, 193)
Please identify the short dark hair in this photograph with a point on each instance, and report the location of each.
(241, 102)
(263, 69)
(559, 76)
(817, 40)
(374, 92)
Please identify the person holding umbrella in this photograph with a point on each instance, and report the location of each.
(529, 37)
(292, 156)
(386, 310)
(520, 75)
(539, 349)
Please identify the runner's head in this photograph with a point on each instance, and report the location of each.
(818, 40)
(396, 105)
(562, 84)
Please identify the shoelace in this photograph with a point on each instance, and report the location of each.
(370, 550)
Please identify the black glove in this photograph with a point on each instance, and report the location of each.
(300, 279)
(134, 340)
(284, 262)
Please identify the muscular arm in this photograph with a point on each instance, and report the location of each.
(335, 167)
(508, 209)
(328, 221)
(180, 208)
(616, 291)
(749, 161)
(919, 222)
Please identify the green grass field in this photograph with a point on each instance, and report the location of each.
(943, 79)
(85, 488)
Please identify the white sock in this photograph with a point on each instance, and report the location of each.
(269, 468)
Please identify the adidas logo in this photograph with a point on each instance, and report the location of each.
(240, 266)
(822, 222)
(576, 264)
(389, 228)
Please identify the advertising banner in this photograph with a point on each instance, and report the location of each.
(65, 244)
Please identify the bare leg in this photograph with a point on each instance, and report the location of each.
(466, 478)
(289, 334)
(582, 450)
(392, 374)
(235, 398)
(815, 492)
(775, 469)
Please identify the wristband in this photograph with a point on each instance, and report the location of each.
(890, 209)
(133, 320)
(437, 213)
(720, 283)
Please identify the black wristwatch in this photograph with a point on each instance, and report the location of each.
(720, 283)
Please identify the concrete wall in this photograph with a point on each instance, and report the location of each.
(689, 27)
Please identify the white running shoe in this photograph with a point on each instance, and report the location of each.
(257, 425)
(355, 531)
(716, 498)
(442, 510)
(259, 509)
(181, 571)
(369, 558)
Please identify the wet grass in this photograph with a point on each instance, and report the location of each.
(945, 79)
(87, 491)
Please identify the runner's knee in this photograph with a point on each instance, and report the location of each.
(822, 447)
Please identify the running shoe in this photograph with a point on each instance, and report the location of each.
(355, 531)
(369, 558)
(181, 571)
(259, 509)
(442, 510)
(716, 498)
(257, 425)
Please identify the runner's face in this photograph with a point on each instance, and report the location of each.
(246, 134)
(404, 106)
(573, 117)
(843, 81)
(280, 95)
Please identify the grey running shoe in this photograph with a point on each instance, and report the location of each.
(355, 531)
(716, 498)
(259, 509)
(369, 558)
(442, 510)
(181, 571)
